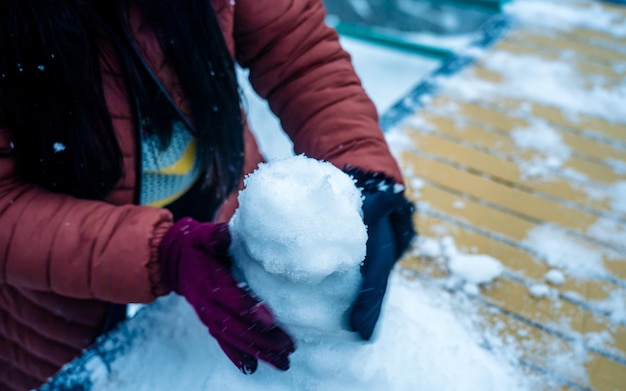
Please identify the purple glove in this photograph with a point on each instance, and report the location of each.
(195, 264)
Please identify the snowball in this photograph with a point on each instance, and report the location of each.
(301, 219)
(298, 237)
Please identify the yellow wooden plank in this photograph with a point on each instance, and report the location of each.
(481, 115)
(557, 315)
(544, 349)
(583, 66)
(594, 169)
(499, 116)
(535, 345)
(606, 375)
(545, 42)
(593, 38)
(559, 357)
(516, 201)
(495, 221)
(501, 169)
(588, 83)
(502, 142)
(486, 74)
(535, 349)
(595, 35)
(580, 123)
(513, 258)
(477, 215)
(583, 122)
(514, 296)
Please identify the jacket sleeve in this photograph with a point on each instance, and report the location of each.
(73, 247)
(298, 65)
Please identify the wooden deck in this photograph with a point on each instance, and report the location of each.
(472, 181)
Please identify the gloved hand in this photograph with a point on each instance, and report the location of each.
(195, 264)
(388, 216)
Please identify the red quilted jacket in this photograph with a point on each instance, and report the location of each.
(62, 259)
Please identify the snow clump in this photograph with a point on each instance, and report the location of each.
(299, 227)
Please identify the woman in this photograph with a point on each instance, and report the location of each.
(122, 145)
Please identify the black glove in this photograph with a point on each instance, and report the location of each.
(388, 216)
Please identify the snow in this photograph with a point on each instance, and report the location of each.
(428, 247)
(561, 85)
(425, 338)
(539, 291)
(563, 16)
(541, 137)
(58, 147)
(467, 271)
(98, 370)
(609, 231)
(317, 202)
(617, 195)
(618, 166)
(448, 248)
(458, 204)
(614, 306)
(565, 253)
(475, 268)
(555, 277)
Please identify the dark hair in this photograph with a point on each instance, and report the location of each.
(51, 92)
